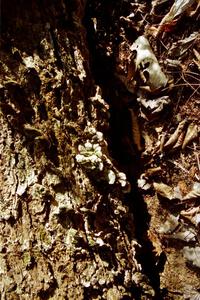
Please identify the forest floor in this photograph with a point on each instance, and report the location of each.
(152, 85)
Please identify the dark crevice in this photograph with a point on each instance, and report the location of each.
(56, 49)
(53, 285)
(58, 97)
(52, 152)
(121, 145)
(42, 112)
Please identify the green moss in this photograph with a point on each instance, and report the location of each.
(26, 258)
(92, 243)
(44, 238)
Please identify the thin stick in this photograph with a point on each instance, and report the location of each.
(179, 166)
(197, 156)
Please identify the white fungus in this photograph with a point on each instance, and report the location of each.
(111, 177)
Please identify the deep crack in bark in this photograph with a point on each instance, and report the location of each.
(121, 144)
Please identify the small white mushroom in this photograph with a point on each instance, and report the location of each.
(99, 136)
(79, 158)
(88, 145)
(93, 158)
(100, 166)
(121, 176)
(111, 177)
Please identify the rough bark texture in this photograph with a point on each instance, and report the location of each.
(74, 224)
(66, 232)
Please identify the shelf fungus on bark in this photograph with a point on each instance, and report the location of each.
(92, 155)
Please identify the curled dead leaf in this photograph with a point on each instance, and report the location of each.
(178, 8)
(194, 193)
(191, 134)
(151, 107)
(170, 224)
(184, 235)
(191, 293)
(197, 61)
(179, 140)
(192, 215)
(148, 65)
(164, 190)
(181, 47)
(192, 255)
(167, 191)
(152, 171)
(174, 137)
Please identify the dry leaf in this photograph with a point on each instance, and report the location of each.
(183, 187)
(197, 62)
(182, 46)
(174, 137)
(194, 193)
(156, 3)
(192, 214)
(170, 225)
(153, 106)
(152, 171)
(148, 64)
(164, 190)
(177, 9)
(191, 293)
(192, 255)
(148, 141)
(184, 235)
(125, 66)
(191, 134)
(156, 242)
(180, 140)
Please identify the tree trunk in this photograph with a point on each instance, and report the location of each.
(66, 229)
(74, 223)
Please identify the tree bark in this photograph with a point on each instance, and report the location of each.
(66, 229)
(76, 145)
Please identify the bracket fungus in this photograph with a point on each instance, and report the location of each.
(93, 157)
